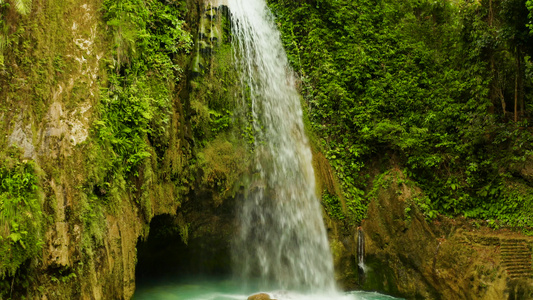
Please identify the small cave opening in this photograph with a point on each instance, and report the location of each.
(176, 249)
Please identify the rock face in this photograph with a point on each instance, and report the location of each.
(446, 259)
(50, 90)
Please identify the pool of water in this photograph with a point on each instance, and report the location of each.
(202, 289)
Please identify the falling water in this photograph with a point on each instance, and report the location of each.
(282, 239)
(361, 248)
(282, 242)
(361, 254)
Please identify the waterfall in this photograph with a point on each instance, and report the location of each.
(361, 254)
(361, 248)
(282, 240)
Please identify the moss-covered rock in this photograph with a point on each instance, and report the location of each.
(410, 257)
(110, 152)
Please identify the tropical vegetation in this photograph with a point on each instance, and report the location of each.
(441, 89)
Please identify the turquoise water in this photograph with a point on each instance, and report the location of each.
(231, 290)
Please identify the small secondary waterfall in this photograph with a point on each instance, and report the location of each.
(361, 254)
(361, 248)
(282, 239)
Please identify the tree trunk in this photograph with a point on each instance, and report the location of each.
(502, 99)
(521, 84)
(500, 86)
(493, 86)
(491, 15)
(494, 82)
(516, 98)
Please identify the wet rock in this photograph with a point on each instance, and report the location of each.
(205, 48)
(260, 296)
(211, 13)
(58, 246)
(197, 66)
(22, 137)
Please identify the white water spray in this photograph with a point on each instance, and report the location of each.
(361, 253)
(282, 239)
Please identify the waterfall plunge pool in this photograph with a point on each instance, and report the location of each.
(221, 289)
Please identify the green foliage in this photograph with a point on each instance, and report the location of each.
(420, 81)
(22, 6)
(91, 214)
(220, 121)
(20, 213)
(529, 5)
(213, 100)
(333, 206)
(64, 275)
(136, 106)
(352, 213)
(145, 34)
(223, 162)
(130, 113)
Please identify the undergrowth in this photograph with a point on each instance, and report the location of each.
(20, 213)
(378, 83)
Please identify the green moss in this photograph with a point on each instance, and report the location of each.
(379, 277)
(213, 100)
(223, 162)
(90, 213)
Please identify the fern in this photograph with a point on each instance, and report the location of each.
(3, 42)
(23, 7)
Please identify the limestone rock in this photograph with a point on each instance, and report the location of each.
(58, 246)
(22, 137)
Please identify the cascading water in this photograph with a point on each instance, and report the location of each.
(282, 239)
(361, 255)
(282, 242)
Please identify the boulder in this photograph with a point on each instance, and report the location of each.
(260, 296)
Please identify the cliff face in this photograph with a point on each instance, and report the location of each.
(50, 91)
(410, 257)
(71, 225)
